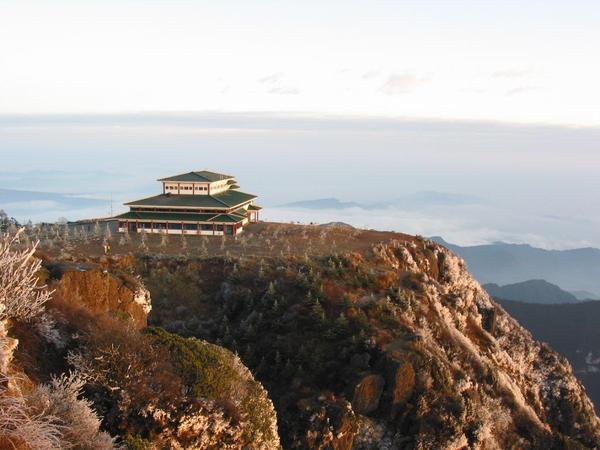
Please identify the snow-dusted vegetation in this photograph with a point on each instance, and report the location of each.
(37, 417)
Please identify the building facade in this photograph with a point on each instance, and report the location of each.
(193, 203)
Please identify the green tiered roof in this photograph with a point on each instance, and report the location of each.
(201, 176)
(180, 217)
(227, 199)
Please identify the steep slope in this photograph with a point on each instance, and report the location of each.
(531, 291)
(393, 346)
(572, 330)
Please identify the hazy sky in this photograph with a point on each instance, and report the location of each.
(535, 184)
(517, 61)
(358, 100)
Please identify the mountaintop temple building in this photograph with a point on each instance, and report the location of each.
(193, 203)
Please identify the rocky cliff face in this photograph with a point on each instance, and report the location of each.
(500, 381)
(101, 290)
(393, 347)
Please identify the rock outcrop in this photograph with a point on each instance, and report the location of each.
(396, 347)
(84, 362)
(101, 290)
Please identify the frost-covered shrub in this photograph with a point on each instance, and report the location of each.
(79, 424)
(20, 428)
(48, 416)
(19, 293)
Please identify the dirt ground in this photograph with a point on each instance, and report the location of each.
(265, 239)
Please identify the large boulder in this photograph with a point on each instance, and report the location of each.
(367, 394)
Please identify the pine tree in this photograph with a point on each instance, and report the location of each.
(271, 289)
(317, 311)
(289, 370)
(341, 325)
(262, 366)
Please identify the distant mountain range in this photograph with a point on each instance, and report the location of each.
(322, 203)
(531, 291)
(500, 263)
(585, 295)
(417, 200)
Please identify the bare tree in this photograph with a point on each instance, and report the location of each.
(97, 230)
(184, 244)
(48, 416)
(164, 239)
(203, 248)
(144, 241)
(107, 232)
(66, 235)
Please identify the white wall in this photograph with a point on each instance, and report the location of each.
(195, 188)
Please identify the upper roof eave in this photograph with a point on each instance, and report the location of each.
(199, 176)
(227, 199)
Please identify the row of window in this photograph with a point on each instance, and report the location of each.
(186, 188)
(174, 226)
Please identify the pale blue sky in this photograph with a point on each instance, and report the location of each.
(514, 61)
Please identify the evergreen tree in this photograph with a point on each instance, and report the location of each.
(317, 311)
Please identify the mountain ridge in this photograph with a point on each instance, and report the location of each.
(531, 291)
(571, 270)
